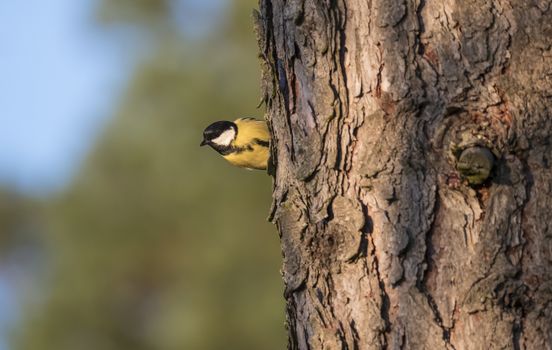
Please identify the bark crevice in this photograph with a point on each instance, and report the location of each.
(371, 105)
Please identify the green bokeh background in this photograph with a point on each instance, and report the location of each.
(157, 243)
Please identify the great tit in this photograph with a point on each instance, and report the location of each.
(243, 142)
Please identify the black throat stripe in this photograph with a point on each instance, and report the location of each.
(226, 150)
(261, 142)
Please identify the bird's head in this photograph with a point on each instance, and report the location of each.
(219, 134)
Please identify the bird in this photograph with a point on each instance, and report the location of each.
(244, 142)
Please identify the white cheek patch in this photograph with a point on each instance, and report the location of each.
(225, 138)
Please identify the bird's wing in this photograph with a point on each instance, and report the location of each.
(251, 130)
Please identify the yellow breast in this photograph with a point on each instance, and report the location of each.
(257, 158)
(253, 155)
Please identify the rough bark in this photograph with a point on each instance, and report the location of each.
(388, 243)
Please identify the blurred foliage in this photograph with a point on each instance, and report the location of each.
(160, 244)
(134, 10)
(19, 216)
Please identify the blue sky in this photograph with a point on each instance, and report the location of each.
(60, 79)
(59, 76)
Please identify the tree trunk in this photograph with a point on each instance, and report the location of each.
(386, 117)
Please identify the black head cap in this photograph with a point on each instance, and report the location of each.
(215, 130)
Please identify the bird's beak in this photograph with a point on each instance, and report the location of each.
(203, 143)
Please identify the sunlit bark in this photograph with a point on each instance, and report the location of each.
(389, 239)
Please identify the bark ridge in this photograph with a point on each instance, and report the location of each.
(371, 104)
